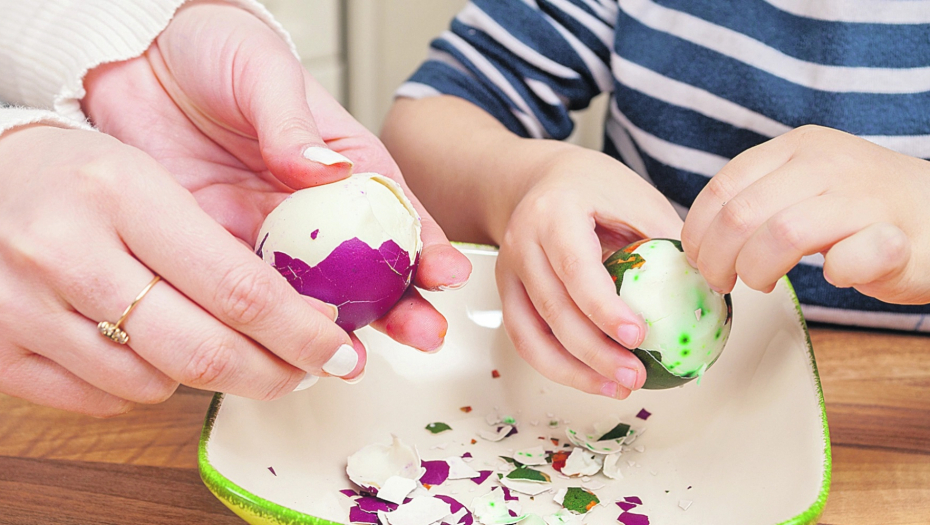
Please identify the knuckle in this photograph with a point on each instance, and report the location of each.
(550, 308)
(278, 389)
(209, 362)
(788, 232)
(293, 123)
(569, 264)
(243, 295)
(738, 216)
(895, 244)
(157, 391)
(110, 410)
(310, 353)
(578, 380)
(720, 187)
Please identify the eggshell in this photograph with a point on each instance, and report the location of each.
(687, 322)
(354, 243)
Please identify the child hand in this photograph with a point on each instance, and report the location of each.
(220, 100)
(560, 305)
(816, 190)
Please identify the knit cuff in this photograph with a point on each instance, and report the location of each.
(48, 46)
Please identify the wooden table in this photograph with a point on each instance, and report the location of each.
(61, 468)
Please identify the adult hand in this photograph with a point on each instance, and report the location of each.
(816, 190)
(560, 306)
(85, 223)
(221, 101)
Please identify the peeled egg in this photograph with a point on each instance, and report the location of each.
(687, 323)
(354, 243)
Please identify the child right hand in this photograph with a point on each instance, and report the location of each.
(560, 305)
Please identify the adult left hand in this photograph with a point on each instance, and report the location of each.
(223, 104)
(816, 190)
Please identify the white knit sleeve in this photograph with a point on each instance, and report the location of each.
(12, 117)
(48, 46)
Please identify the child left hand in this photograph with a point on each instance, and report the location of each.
(816, 190)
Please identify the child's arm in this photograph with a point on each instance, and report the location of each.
(817, 190)
(554, 209)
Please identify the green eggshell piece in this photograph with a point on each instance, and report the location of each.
(678, 348)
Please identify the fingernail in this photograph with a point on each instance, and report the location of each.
(627, 377)
(610, 390)
(325, 156)
(718, 289)
(355, 379)
(342, 362)
(453, 286)
(437, 349)
(306, 383)
(628, 335)
(691, 261)
(335, 310)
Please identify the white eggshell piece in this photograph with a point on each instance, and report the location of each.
(372, 465)
(366, 206)
(582, 463)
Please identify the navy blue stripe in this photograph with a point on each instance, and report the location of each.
(819, 41)
(584, 34)
(529, 27)
(767, 94)
(678, 185)
(555, 120)
(451, 81)
(578, 91)
(813, 289)
(683, 126)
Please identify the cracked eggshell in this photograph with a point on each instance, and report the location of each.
(687, 322)
(373, 465)
(354, 243)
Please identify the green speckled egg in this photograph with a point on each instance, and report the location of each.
(687, 323)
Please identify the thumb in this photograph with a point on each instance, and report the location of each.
(271, 95)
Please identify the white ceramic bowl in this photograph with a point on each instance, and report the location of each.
(750, 440)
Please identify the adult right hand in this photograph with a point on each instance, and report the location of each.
(85, 223)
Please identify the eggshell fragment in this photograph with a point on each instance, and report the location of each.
(354, 243)
(370, 467)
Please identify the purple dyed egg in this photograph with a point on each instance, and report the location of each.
(354, 243)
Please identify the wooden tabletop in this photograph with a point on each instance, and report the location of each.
(63, 468)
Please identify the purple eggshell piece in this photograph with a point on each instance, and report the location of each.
(349, 493)
(314, 233)
(363, 282)
(644, 414)
(357, 515)
(261, 247)
(372, 504)
(633, 499)
(483, 475)
(629, 518)
(467, 455)
(512, 431)
(508, 496)
(626, 506)
(436, 472)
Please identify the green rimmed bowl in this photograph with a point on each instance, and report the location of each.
(751, 440)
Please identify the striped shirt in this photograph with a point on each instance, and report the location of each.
(695, 82)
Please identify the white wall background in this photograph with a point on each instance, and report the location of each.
(361, 50)
(317, 27)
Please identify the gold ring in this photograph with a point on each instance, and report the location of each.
(112, 330)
